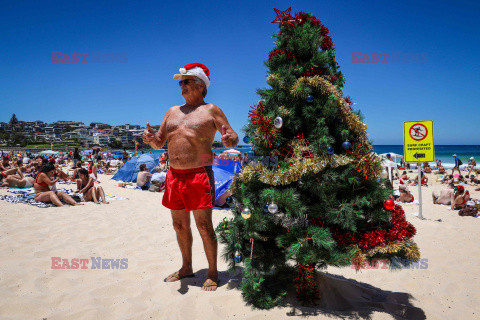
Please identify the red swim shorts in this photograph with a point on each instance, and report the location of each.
(189, 189)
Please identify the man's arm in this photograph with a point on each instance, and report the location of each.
(160, 137)
(229, 137)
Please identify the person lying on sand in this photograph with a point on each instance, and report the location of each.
(14, 178)
(474, 180)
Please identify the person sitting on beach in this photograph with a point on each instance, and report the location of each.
(5, 164)
(62, 175)
(42, 185)
(75, 175)
(143, 177)
(158, 178)
(458, 163)
(439, 162)
(472, 166)
(445, 196)
(405, 195)
(426, 167)
(458, 199)
(424, 180)
(92, 169)
(85, 185)
(441, 169)
(22, 167)
(404, 178)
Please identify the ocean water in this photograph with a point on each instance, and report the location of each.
(442, 152)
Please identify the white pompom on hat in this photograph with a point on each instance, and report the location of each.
(194, 69)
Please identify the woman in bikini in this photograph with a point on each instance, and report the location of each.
(85, 185)
(42, 188)
(14, 178)
(458, 200)
(92, 169)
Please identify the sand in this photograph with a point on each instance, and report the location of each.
(139, 229)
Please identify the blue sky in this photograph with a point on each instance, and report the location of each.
(233, 39)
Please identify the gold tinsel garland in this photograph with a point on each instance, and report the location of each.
(298, 167)
(348, 116)
(409, 246)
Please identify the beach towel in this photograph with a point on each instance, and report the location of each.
(20, 191)
(414, 202)
(26, 199)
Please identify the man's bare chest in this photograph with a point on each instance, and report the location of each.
(197, 121)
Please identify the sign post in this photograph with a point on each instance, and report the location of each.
(418, 147)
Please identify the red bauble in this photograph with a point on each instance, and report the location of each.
(389, 205)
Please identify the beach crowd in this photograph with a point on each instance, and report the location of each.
(455, 194)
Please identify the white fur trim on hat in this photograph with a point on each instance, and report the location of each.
(196, 72)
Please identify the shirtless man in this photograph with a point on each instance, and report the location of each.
(189, 130)
(445, 196)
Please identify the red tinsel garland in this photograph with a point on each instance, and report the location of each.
(327, 43)
(333, 80)
(324, 31)
(314, 71)
(364, 157)
(401, 230)
(264, 122)
(348, 100)
(305, 284)
(302, 17)
(276, 52)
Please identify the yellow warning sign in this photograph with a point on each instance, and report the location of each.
(418, 141)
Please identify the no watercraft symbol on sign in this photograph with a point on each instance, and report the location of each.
(418, 141)
(418, 132)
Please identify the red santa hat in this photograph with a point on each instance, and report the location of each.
(194, 69)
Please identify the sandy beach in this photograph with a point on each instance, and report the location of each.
(139, 228)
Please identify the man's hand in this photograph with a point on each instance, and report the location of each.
(149, 134)
(228, 139)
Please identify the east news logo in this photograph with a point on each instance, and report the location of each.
(96, 263)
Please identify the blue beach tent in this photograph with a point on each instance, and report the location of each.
(129, 171)
(223, 171)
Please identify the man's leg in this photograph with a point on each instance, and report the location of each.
(203, 220)
(181, 224)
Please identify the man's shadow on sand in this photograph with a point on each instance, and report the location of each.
(340, 297)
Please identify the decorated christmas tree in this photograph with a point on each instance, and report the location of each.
(313, 196)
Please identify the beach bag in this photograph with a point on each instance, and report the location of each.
(468, 211)
(459, 162)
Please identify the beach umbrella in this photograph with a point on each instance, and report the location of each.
(50, 152)
(232, 151)
(130, 169)
(223, 172)
(394, 155)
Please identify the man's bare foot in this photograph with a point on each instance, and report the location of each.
(179, 275)
(211, 283)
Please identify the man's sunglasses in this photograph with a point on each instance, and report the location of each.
(185, 82)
